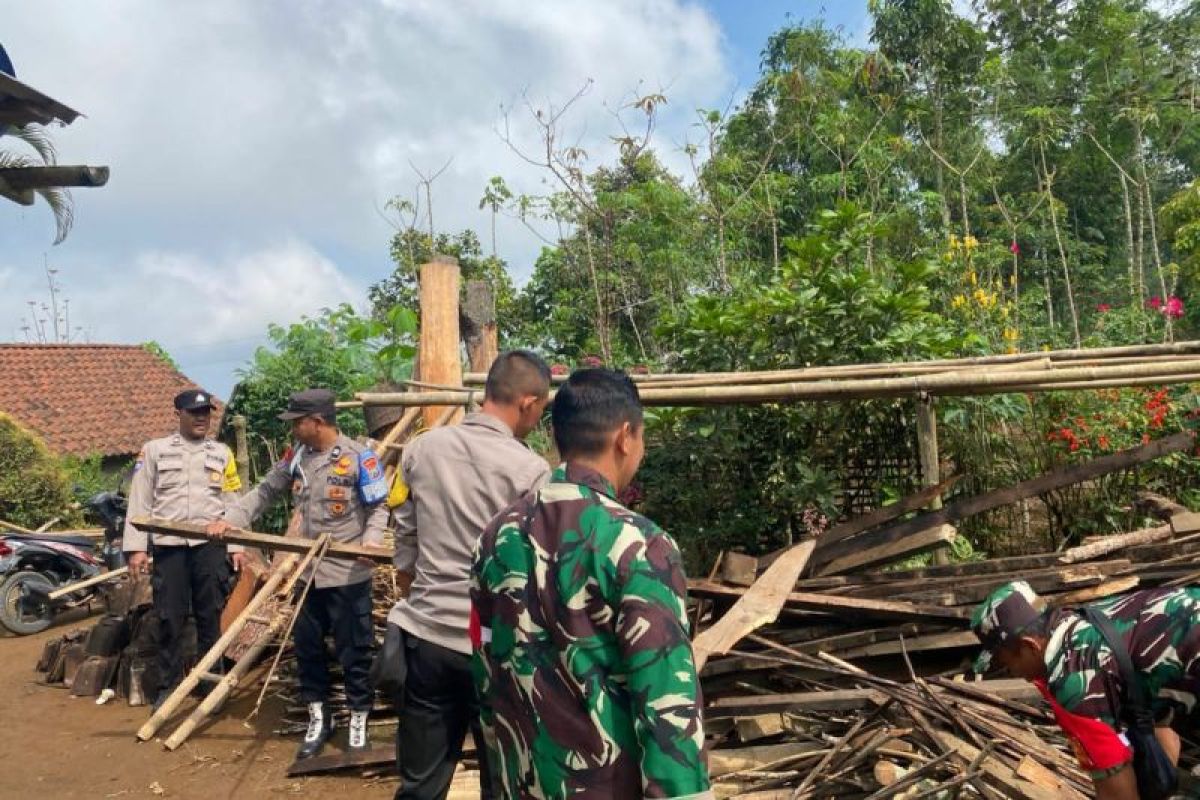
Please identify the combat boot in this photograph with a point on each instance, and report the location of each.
(320, 728)
(358, 740)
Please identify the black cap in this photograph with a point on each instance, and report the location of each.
(193, 400)
(310, 403)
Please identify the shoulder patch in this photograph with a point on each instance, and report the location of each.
(372, 487)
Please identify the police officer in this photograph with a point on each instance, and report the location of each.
(185, 477)
(339, 488)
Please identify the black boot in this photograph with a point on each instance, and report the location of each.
(320, 728)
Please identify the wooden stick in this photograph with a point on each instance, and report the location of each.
(265, 540)
(89, 582)
(210, 659)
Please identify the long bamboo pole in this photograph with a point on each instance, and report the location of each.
(206, 663)
(265, 540)
(981, 382)
(1098, 354)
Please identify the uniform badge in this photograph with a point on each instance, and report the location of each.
(215, 477)
(337, 493)
(337, 508)
(342, 467)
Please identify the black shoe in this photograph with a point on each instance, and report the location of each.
(320, 728)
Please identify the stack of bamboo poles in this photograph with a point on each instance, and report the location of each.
(1056, 370)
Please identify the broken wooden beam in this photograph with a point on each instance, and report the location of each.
(879, 609)
(264, 540)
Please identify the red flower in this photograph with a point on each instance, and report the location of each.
(1013, 248)
(559, 369)
(1103, 442)
(1173, 307)
(1104, 308)
(1154, 302)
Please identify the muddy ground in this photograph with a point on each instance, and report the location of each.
(54, 745)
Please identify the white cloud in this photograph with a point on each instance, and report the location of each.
(231, 127)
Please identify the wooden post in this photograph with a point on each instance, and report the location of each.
(439, 344)
(927, 449)
(241, 451)
(479, 326)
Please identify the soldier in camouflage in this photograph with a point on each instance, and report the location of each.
(1073, 667)
(582, 655)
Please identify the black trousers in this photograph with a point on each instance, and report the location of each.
(439, 706)
(346, 612)
(187, 579)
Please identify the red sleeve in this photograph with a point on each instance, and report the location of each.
(1097, 746)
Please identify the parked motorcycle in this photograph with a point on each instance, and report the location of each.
(33, 565)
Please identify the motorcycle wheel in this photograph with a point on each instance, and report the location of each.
(29, 620)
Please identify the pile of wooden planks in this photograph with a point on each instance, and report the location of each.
(856, 682)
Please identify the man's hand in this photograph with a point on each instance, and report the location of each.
(404, 581)
(238, 560)
(217, 528)
(138, 563)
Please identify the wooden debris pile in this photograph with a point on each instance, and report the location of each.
(852, 682)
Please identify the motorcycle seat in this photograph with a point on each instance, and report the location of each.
(86, 542)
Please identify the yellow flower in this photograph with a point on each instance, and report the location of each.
(970, 242)
(954, 244)
(972, 278)
(1011, 335)
(958, 301)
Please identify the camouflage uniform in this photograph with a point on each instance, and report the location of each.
(583, 661)
(1160, 629)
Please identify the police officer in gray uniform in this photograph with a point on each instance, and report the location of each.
(338, 486)
(185, 477)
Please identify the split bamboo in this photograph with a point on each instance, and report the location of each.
(88, 583)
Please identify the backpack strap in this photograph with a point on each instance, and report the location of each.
(1135, 691)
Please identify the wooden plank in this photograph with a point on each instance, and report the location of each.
(1106, 589)
(934, 641)
(875, 518)
(725, 761)
(238, 536)
(760, 726)
(919, 542)
(380, 756)
(880, 609)
(759, 605)
(978, 504)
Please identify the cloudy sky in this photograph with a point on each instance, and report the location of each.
(252, 145)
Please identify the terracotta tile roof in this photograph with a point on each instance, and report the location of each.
(96, 398)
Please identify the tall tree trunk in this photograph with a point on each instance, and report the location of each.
(1158, 266)
(1049, 297)
(1062, 252)
(601, 313)
(1136, 297)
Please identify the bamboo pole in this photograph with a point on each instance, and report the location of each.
(982, 382)
(103, 577)
(206, 663)
(927, 451)
(1097, 354)
(439, 340)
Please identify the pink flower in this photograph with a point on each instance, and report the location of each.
(1173, 308)
(1154, 302)
(1013, 248)
(559, 369)
(1104, 308)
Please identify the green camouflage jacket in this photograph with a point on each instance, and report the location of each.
(1161, 630)
(583, 661)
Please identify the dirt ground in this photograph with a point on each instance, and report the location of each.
(58, 746)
